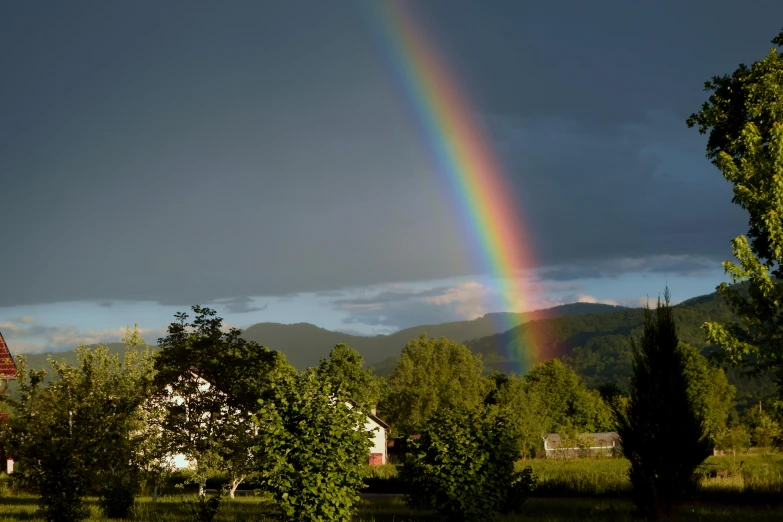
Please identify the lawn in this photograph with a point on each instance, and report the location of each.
(569, 490)
(386, 509)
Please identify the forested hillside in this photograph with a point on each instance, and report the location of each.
(598, 346)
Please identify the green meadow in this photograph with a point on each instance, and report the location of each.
(731, 488)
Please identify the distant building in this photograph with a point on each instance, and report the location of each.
(585, 445)
(380, 431)
(7, 374)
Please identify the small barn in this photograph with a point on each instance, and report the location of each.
(586, 445)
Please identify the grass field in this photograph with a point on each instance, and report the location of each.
(569, 490)
(170, 509)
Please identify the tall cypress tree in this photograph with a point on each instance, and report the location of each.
(660, 430)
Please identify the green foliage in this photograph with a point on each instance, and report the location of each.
(568, 406)
(524, 410)
(433, 374)
(314, 447)
(117, 498)
(661, 430)
(733, 439)
(344, 372)
(74, 433)
(744, 118)
(462, 465)
(708, 390)
(209, 382)
(204, 508)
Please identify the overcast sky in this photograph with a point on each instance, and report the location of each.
(256, 156)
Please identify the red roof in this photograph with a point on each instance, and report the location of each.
(7, 364)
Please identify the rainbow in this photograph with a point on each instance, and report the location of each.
(466, 163)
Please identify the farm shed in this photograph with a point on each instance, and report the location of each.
(585, 445)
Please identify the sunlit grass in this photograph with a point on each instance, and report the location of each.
(587, 490)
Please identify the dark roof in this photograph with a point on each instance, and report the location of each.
(7, 364)
(553, 439)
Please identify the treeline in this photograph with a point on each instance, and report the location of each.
(112, 426)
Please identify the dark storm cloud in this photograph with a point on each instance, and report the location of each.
(151, 152)
(682, 265)
(389, 297)
(241, 305)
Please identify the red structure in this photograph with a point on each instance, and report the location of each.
(7, 364)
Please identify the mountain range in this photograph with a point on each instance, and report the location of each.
(593, 338)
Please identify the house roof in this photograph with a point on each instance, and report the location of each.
(553, 439)
(371, 415)
(7, 364)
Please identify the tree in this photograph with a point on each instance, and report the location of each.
(313, 448)
(433, 374)
(733, 438)
(569, 407)
(661, 430)
(210, 381)
(744, 118)
(344, 372)
(525, 411)
(69, 433)
(462, 465)
(708, 389)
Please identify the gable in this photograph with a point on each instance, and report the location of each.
(7, 364)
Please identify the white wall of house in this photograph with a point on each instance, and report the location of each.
(378, 438)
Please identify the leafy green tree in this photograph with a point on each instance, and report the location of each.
(462, 465)
(344, 372)
(433, 374)
(708, 389)
(525, 411)
(210, 381)
(744, 118)
(661, 430)
(765, 432)
(733, 438)
(69, 434)
(313, 449)
(569, 407)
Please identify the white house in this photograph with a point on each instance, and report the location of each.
(379, 429)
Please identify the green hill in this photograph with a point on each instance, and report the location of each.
(593, 338)
(598, 348)
(305, 344)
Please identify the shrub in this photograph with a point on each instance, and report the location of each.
(462, 466)
(204, 508)
(312, 448)
(116, 499)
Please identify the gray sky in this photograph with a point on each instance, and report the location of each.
(180, 153)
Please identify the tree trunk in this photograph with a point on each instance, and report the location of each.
(155, 492)
(235, 482)
(202, 488)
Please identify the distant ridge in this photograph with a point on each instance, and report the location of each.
(305, 344)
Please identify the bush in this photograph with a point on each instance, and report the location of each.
(312, 447)
(462, 466)
(204, 508)
(116, 499)
(522, 486)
